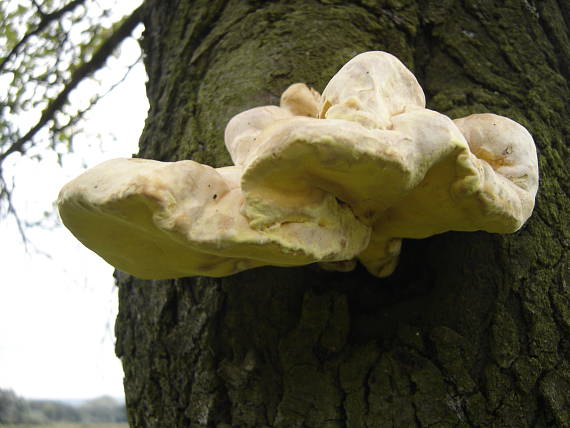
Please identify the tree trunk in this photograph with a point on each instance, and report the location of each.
(472, 330)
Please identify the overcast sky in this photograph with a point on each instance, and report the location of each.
(57, 314)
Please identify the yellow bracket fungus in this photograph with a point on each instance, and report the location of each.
(332, 179)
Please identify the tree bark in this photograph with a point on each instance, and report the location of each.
(472, 330)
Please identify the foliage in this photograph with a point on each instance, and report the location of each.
(13, 409)
(47, 49)
(17, 410)
(103, 410)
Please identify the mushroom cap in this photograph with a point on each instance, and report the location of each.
(504, 155)
(165, 220)
(304, 164)
(301, 100)
(242, 131)
(488, 185)
(370, 89)
(302, 160)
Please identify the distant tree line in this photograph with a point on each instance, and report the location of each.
(17, 410)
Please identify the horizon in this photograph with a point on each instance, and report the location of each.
(73, 401)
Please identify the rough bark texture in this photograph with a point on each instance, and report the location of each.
(473, 329)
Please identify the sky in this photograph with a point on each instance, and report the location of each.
(57, 311)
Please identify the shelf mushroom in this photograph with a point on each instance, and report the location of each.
(161, 220)
(326, 179)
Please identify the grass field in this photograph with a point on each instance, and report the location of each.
(67, 425)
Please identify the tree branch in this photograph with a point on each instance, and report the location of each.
(39, 8)
(46, 20)
(85, 70)
(6, 194)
